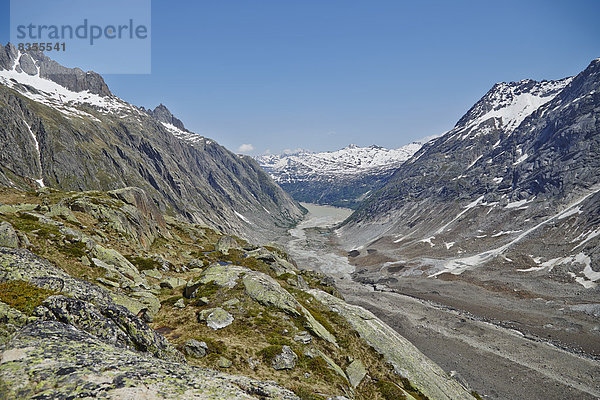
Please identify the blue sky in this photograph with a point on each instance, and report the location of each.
(320, 74)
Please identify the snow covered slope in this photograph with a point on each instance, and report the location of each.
(341, 178)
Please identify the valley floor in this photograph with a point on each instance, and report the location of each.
(492, 358)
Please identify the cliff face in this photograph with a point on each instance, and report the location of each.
(63, 128)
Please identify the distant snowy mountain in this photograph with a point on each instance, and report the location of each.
(341, 178)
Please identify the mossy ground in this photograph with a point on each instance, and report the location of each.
(23, 296)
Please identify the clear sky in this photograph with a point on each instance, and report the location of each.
(320, 74)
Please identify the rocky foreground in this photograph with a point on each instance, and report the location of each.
(101, 296)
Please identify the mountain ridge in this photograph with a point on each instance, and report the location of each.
(341, 178)
(50, 135)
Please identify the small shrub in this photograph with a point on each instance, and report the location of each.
(23, 296)
(389, 391)
(142, 263)
(214, 346)
(269, 353)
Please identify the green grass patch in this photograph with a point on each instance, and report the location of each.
(269, 353)
(213, 346)
(142, 263)
(23, 296)
(277, 339)
(76, 250)
(305, 393)
(390, 391)
(319, 368)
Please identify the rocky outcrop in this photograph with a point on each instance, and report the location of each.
(356, 372)
(54, 360)
(131, 213)
(88, 306)
(268, 292)
(407, 360)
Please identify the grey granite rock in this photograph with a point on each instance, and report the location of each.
(285, 360)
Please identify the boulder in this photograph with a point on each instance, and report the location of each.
(224, 362)
(285, 360)
(179, 303)
(172, 283)
(62, 211)
(226, 243)
(221, 275)
(153, 273)
(119, 262)
(231, 303)
(194, 348)
(356, 371)
(219, 319)
(8, 236)
(303, 337)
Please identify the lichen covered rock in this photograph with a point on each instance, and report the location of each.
(226, 243)
(267, 291)
(53, 360)
(406, 359)
(219, 319)
(8, 236)
(285, 360)
(356, 372)
(194, 348)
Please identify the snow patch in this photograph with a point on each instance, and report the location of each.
(467, 208)
(589, 237)
(428, 240)
(243, 218)
(567, 214)
(458, 266)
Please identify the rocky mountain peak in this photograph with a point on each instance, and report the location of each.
(163, 114)
(38, 64)
(511, 102)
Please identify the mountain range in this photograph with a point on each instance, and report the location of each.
(341, 178)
